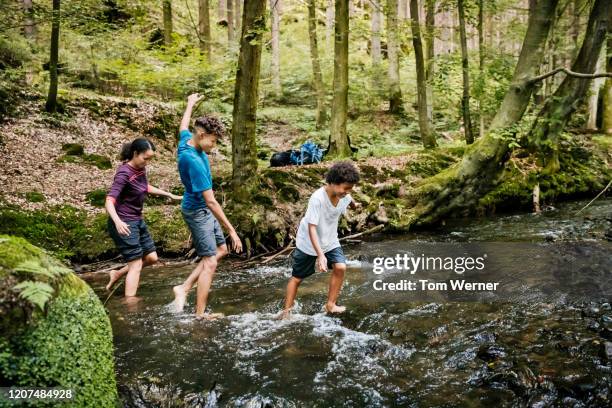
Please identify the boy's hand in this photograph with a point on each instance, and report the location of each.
(236, 243)
(322, 263)
(194, 98)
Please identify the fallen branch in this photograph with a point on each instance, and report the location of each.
(282, 251)
(570, 73)
(368, 231)
(596, 197)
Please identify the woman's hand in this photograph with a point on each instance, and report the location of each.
(236, 243)
(175, 197)
(122, 228)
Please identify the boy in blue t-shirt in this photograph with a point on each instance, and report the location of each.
(200, 209)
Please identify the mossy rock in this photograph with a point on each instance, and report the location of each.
(73, 149)
(97, 197)
(288, 194)
(66, 345)
(101, 162)
(35, 197)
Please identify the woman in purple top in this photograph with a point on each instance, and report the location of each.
(124, 203)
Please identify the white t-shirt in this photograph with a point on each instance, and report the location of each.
(324, 215)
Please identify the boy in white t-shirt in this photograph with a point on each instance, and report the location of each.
(317, 244)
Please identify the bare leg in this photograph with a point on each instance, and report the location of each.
(116, 274)
(133, 277)
(204, 283)
(292, 288)
(335, 284)
(181, 291)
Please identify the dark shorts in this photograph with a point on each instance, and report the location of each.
(304, 264)
(205, 230)
(136, 245)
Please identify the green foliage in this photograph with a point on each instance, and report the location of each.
(35, 196)
(66, 341)
(101, 162)
(37, 293)
(73, 149)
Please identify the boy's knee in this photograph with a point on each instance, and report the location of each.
(339, 268)
(151, 258)
(222, 251)
(210, 261)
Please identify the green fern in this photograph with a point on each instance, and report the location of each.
(37, 293)
(34, 267)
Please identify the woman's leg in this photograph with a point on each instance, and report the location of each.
(114, 275)
(133, 277)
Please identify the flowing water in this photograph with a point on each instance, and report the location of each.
(544, 340)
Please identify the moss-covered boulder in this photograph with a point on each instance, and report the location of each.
(54, 331)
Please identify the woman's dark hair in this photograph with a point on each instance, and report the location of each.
(138, 146)
(210, 124)
(342, 172)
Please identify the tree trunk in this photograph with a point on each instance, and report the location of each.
(338, 141)
(606, 122)
(459, 187)
(375, 27)
(329, 21)
(230, 23)
(551, 120)
(321, 115)
(425, 125)
(29, 27)
(465, 100)
(167, 15)
(238, 16)
(481, 58)
(221, 10)
(276, 81)
(204, 27)
(430, 26)
(395, 92)
(246, 94)
(51, 105)
(593, 98)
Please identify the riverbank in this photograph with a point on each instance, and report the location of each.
(55, 199)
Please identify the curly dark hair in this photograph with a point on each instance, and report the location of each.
(342, 172)
(210, 124)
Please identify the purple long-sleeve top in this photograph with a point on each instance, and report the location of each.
(128, 192)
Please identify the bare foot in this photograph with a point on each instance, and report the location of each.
(209, 316)
(283, 314)
(179, 297)
(333, 308)
(113, 277)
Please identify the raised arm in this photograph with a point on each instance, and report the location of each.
(192, 100)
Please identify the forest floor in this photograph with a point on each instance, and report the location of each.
(57, 168)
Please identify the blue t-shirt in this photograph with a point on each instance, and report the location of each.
(194, 170)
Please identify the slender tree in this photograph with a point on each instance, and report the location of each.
(606, 122)
(481, 59)
(238, 16)
(167, 17)
(230, 22)
(338, 142)
(29, 26)
(221, 14)
(204, 27)
(329, 21)
(425, 125)
(465, 100)
(593, 97)
(321, 115)
(430, 27)
(246, 94)
(375, 27)
(51, 105)
(395, 93)
(276, 79)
